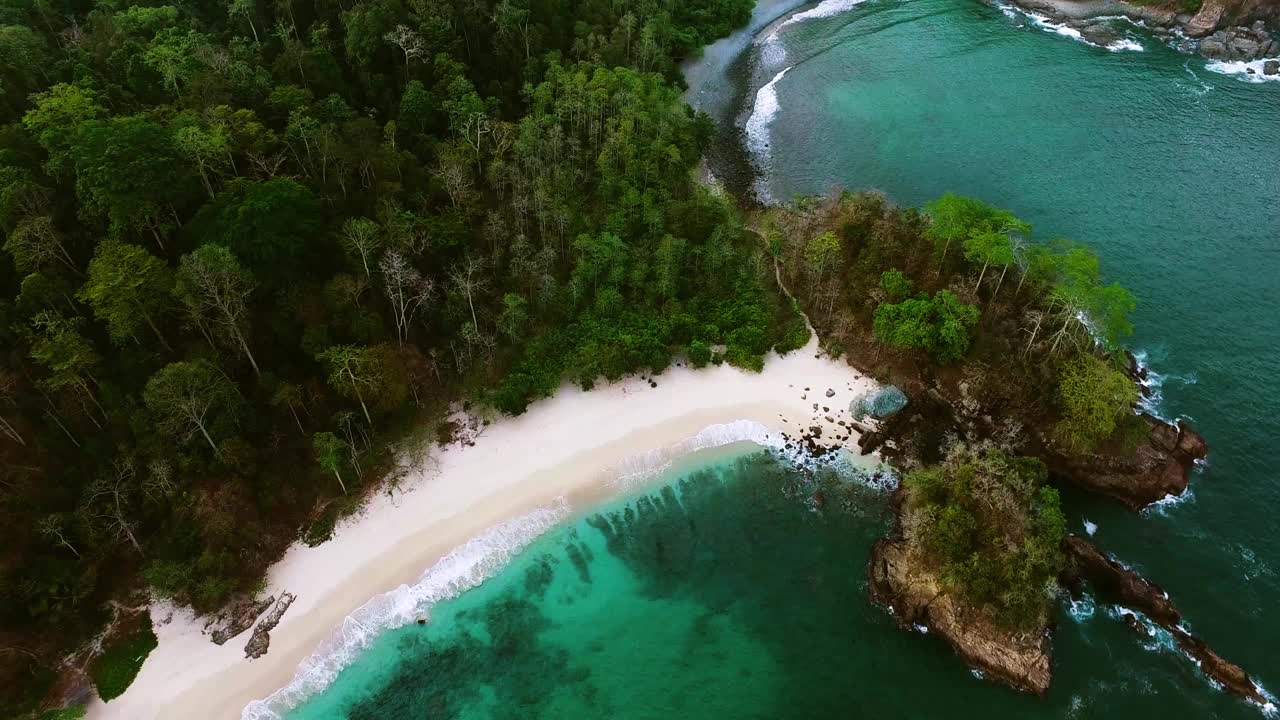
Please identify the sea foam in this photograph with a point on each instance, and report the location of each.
(1048, 25)
(762, 113)
(1242, 68)
(477, 560)
(826, 8)
(462, 569)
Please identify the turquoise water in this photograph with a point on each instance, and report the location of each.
(726, 592)
(1172, 172)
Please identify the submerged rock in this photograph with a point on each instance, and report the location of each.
(1124, 586)
(915, 596)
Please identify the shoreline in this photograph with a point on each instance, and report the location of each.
(577, 446)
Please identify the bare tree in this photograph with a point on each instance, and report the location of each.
(455, 172)
(474, 129)
(466, 278)
(35, 243)
(8, 391)
(215, 289)
(159, 482)
(108, 501)
(362, 237)
(53, 527)
(406, 289)
(409, 42)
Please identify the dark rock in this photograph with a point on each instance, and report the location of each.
(1116, 583)
(831, 393)
(1020, 659)
(1271, 67)
(260, 641)
(1155, 469)
(237, 618)
(1205, 21)
(1100, 33)
(1213, 49)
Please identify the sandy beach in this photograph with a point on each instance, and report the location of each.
(566, 451)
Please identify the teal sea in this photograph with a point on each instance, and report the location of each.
(728, 590)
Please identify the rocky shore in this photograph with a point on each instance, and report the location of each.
(1228, 30)
(1117, 583)
(916, 598)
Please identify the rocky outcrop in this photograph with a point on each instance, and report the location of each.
(236, 618)
(1220, 30)
(915, 598)
(260, 641)
(1240, 43)
(1205, 21)
(1159, 467)
(1117, 583)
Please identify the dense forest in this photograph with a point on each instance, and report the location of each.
(249, 245)
(250, 248)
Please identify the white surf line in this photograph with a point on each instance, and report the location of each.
(762, 113)
(1048, 25)
(1242, 69)
(462, 569)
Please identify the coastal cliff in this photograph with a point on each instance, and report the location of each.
(1157, 468)
(915, 597)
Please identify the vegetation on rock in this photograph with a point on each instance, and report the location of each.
(993, 530)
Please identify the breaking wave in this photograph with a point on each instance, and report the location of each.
(462, 569)
(1049, 25)
(1253, 71)
(470, 564)
(762, 114)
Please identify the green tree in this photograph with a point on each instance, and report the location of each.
(989, 247)
(128, 169)
(364, 373)
(330, 451)
(69, 357)
(57, 115)
(127, 288)
(1093, 396)
(192, 397)
(268, 225)
(955, 218)
(939, 325)
(896, 285)
(215, 289)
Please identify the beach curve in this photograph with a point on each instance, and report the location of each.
(565, 449)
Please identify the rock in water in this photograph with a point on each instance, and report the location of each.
(260, 641)
(1271, 67)
(1122, 585)
(1156, 469)
(1020, 659)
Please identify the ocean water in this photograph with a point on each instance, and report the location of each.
(733, 588)
(1169, 165)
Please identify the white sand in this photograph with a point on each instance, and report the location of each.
(568, 446)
